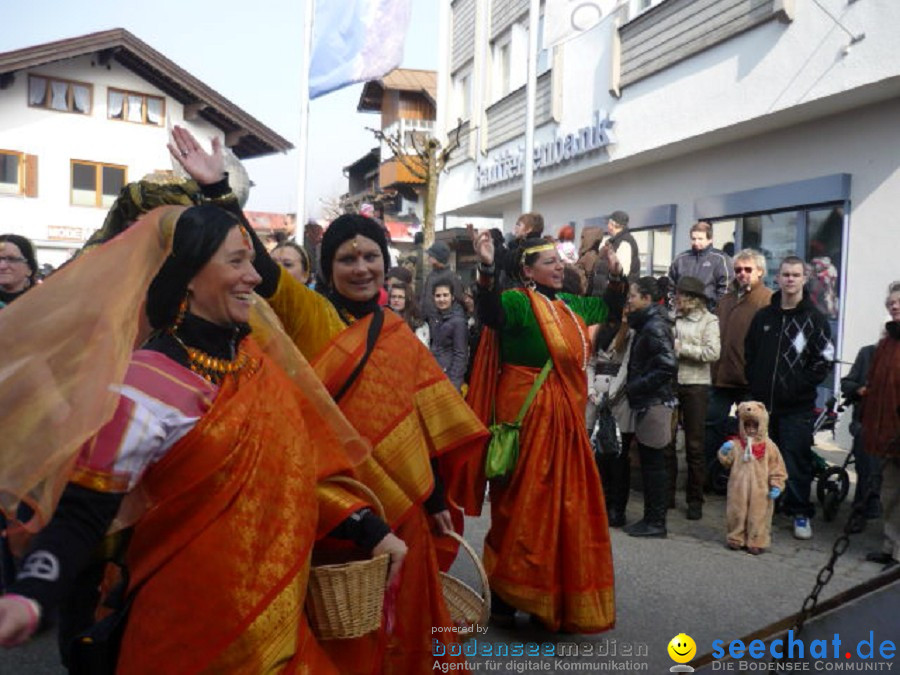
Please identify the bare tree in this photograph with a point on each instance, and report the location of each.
(331, 207)
(426, 162)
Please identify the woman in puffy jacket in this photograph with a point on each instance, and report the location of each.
(449, 331)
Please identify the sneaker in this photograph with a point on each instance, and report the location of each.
(802, 528)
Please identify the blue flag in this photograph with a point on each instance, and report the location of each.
(355, 41)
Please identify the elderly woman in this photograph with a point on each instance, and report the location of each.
(881, 427)
(696, 346)
(560, 571)
(212, 453)
(18, 267)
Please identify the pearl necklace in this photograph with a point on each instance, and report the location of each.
(584, 343)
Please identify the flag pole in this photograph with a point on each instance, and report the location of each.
(309, 10)
(530, 96)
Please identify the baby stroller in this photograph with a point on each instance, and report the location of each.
(832, 480)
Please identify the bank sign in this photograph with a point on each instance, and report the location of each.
(508, 165)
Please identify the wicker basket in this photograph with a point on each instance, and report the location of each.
(467, 606)
(345, 600)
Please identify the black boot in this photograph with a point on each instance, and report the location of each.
(653, 470)
(615, 472)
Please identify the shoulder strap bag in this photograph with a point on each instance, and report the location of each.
(503, 448)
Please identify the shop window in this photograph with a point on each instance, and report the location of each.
(655, 250)
(54, 93)
(11, 164)
(812, 234)
(95, 184)
(823, 251)
(133, 107)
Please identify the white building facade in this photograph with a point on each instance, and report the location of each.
(80, 118)
(777, 120)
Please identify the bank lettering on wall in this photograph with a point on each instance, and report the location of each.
(509, 164)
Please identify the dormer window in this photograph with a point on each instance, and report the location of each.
(54, 93)
(130, 106)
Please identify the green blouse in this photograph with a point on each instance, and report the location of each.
(521, 340)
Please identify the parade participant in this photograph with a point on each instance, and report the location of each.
(292, 257)
(209, 437)
(307, 318)
(399, 400)
(403, 403)
(18, 267)
(551, 504)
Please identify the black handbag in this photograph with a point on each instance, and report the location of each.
(95, 651)
(606, 438)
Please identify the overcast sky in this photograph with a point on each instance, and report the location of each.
(249, 52)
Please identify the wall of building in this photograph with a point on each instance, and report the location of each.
(56, 138)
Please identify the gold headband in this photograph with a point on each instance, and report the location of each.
(536, 249)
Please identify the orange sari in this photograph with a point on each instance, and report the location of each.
(548, 550)
(404, 404)
(223, 551)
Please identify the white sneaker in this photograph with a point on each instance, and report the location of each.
(802, 528)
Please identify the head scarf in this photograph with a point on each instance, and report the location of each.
(136, 199)
(346, 227)
(199, 233)
(27, 250)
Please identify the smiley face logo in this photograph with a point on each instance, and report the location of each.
(682, 648)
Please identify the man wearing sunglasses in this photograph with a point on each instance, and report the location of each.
(746, 295)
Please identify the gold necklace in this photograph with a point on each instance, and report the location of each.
(211, 368)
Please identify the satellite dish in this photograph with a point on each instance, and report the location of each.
(238, 178)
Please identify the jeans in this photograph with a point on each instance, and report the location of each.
(793, 434)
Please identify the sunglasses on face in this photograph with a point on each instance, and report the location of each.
(738, 270)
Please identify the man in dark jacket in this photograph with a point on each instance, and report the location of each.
(788, 353)
(704, 261)
(649, 386)
(622, 242)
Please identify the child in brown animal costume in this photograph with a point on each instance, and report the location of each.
(758, 475)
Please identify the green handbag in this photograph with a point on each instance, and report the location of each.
(503, 448)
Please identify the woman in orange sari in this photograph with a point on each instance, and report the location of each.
(213, 454)
(548, 551)
(397, 397)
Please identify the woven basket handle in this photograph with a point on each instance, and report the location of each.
(482, 575)
(355, 485)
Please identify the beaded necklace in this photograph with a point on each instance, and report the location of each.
(211, 368)
(584, 343)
